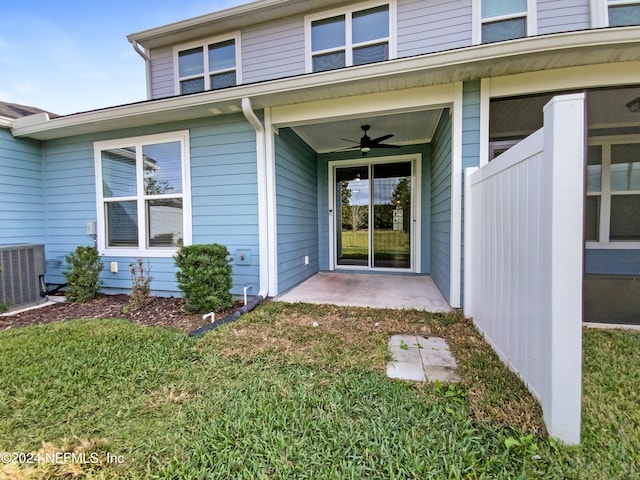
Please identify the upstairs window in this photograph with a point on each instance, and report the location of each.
(143, 194)
(504, 20)
(348, 38)
(623, 13)
(209, 66)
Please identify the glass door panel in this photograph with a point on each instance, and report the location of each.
(352, 216)
(392, 215)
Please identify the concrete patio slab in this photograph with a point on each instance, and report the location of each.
(417, 292)
(421, 359)
(406, 371)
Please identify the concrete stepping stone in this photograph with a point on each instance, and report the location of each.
(421, 359)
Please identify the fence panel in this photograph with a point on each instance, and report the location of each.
(523, 260)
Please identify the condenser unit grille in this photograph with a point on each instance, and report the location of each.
(20, 268)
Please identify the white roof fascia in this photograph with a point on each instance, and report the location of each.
(6, 122)
(37, 126)
(231, 18)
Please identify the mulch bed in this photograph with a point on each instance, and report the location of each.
(156, 312)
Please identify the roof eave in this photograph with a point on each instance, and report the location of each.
(228, 19)
(474, 61)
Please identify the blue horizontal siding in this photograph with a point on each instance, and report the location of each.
(470, 149)
(441, 206)
(612, 262)
(297, 209)
(224, 199)
(22, 205)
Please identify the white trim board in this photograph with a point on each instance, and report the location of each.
(416, 200)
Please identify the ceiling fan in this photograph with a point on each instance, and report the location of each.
(367, 143)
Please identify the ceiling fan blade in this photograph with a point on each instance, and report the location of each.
(355, 147)
(382, 138)
(385, 145)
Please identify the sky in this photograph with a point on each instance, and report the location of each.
(69, 56)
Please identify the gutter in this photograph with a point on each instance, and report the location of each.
(6, 122)
(491, 59)
(263, 211)
(147, 64)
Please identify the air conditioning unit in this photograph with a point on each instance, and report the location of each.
(20, 270)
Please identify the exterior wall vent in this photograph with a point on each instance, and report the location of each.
(20, 269)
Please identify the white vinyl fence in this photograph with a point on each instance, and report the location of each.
(524, 259)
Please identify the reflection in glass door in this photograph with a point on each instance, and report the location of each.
(373, 215)
(352, 216)
(392, 215)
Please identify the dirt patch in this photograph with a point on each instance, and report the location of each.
(156, 312)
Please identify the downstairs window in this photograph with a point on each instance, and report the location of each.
(143, 194)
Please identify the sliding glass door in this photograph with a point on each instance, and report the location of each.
(391, 227)
(352, 216)
(373, 216)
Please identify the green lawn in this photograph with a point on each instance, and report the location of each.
(271, 396)
(387, 243)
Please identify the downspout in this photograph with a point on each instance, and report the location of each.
(263, 224)
(147, 64)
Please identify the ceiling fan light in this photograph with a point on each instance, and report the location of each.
(365, 149)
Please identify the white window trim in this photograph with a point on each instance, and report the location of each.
(349, 46)
(531, 19)
(600, 10)
(605, 194)
(416, 235)
(599, 13)
(138, 142)
(207, 74)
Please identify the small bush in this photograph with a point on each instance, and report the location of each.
(204, 277)
(5, 306)
(84, 267)
(140, 283)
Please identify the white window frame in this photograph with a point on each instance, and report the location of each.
(605, 194)
(349, 45)
(600, 10)
(204, 44)
(143, 250)
(530, 16)
(416, 191)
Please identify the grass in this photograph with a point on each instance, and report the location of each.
(388, 243)
(271, 396)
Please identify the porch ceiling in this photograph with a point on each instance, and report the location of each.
(407, 129)
(515, 117)
(593, 47)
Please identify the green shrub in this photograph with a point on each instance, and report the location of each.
(204, 277)
(5, 305)
(84, 267)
